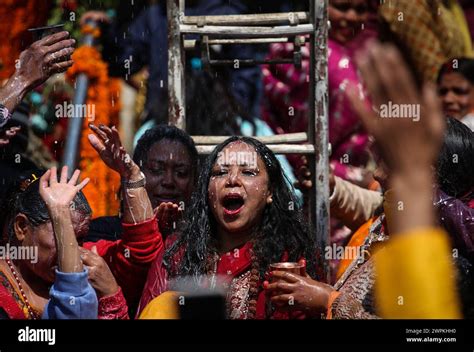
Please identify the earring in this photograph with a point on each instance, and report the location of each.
(270, 200)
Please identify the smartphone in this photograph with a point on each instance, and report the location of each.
(41, 32)
(203, 306)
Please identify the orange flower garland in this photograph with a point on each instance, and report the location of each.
(103, 93)
(94, 31)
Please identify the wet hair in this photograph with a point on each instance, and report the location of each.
(281, 231)
(463, 66)
(30, 203)
(455, 166)
(156, 134)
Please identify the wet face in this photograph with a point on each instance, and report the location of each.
(457, 95)
(42, 237)
(238, 189)
(346, 18)
(169, 174)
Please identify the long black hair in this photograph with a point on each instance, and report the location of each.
(283, 229)
(25, 198)
(455, 167)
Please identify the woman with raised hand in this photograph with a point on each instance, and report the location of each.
(71, 295)
(46, 219)
(130, 257)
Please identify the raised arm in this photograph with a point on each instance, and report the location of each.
(416, 264)
(58, 197)
(71, 296)
(36, 64)
(137, 205)
(129, 258)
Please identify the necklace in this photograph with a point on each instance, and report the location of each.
(252, 292)
(31, 311)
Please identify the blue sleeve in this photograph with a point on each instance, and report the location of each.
(71, 297)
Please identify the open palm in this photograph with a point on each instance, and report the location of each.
(106, 141)
(60, 194)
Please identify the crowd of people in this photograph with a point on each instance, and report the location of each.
(232, 223)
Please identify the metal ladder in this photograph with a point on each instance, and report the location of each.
(250, 29)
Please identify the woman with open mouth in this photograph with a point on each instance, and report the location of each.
(243, 218)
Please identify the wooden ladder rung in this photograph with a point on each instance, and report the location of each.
(247, 32)
(249, 20)
(275, 148)
(190, 44)
(275, 139)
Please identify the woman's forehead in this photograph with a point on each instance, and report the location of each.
(167, 149)
(239, 153)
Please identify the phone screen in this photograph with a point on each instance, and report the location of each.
(203, 306)
(41, 32)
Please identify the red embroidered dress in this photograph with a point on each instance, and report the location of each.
(236, 269)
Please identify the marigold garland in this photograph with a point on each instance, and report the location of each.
(88, 29)
(104, 93)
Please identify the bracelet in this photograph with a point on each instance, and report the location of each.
(4, 115)
(135, 184)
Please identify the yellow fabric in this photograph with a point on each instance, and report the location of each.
(458, 14)
(415, 277)
(165, 306)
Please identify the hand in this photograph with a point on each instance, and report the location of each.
(100, 276)
(44, 58)
(303, 176)
(106, 142)
(8, 134)
(167, 214)
(94, 16)
(294, 292)
(405, 143)
(59, 195)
